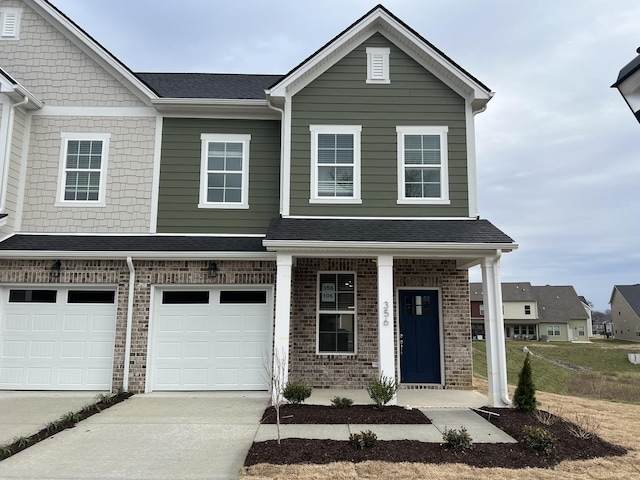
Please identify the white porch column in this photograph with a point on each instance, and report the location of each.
(386, 350)
(494, 329)
(283, 314)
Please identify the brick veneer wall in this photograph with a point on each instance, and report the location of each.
(148, 273)
(352, 371)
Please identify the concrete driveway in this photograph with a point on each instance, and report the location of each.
(150, 436)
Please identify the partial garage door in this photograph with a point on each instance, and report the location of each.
(57, 339)
(210, 339)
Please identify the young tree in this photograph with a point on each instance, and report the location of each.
(525, 396)
(275, 369)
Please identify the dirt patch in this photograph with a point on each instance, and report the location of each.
(512, 456)
(356, 414)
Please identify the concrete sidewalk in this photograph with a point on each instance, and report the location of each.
(24, 413)
(480, 430)
(158, 435)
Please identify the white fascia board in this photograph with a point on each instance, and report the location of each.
(18, 93)
(136, 255)
(380, 21)
(212, 108)
(455, 249)
(93, 49)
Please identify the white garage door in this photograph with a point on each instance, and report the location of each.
(210, 339)
(57, 339)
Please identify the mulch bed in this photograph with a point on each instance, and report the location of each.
(356, 414)
(515, 456)
(66, 421)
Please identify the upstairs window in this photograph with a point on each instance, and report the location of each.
(378, 65)
(224, 179)
(423, 165)
(83, 169)
(335, 163)
(10, 23)
(527, 309)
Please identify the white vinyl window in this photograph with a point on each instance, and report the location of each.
(553, 330)
(10, 23)
(335, 163)
(422, 165)
(83, 169)
(378, 65)
(336, 313)
(224, 176)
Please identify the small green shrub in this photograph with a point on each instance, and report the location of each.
(106, 398)
(457, 438)
(524, 398)
(362, 440)
(53, 426)
(341, 402)
(382, 390)
(21, 441)
(70, 417)
(296, 392)
(5, 451)
(539, 438)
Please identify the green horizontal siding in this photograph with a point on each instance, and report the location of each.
(179, 185)
(341, 96)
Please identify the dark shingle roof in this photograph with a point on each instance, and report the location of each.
(421, 231)
(559, 304)
(131, 243)
(209, 85)
(511, 292)
(631, 293)
(628, 70)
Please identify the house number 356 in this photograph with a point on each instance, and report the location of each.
(385, 313)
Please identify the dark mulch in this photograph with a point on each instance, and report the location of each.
(63, 423)
(356, 414)
(504, 455)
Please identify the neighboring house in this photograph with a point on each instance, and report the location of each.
(625, 312)
(174, 231)
(587, 308)
(548, 313)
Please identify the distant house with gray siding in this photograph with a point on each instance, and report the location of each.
(625, 312)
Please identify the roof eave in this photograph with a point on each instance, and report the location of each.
(214, 105)
(135, 254)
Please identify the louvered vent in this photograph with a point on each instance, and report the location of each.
(378, 65)
(10, 23)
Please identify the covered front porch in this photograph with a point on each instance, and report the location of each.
(348, 311)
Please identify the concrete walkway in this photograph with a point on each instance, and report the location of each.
(159, 436)
(24, 413)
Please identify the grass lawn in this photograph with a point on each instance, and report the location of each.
(609, 374)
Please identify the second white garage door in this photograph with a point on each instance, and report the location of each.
(210, 339)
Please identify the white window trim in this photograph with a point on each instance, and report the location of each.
(65, 137)
(245, 139)
(354, 312)
(378, 54)
(354, 130)
(14, 33)
(444, 164)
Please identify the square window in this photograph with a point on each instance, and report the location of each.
(224, 179)
(335, 164)
(422, 165)
(336, 313)
(83, 168)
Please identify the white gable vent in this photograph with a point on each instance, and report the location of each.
(10, 23)
(378, 65)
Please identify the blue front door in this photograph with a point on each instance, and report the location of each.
(419, 336)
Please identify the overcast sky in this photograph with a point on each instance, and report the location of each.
(558, 150)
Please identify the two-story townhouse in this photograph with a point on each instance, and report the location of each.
(327, 217)
(519, 307)
(532, 312)
(625, 312)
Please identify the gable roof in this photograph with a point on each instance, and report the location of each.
(559, 304)
(209, 85)
(631, 293)
(511, 292)
(381, 20)
(92, 48)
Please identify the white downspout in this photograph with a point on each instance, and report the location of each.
(7, 151)
(127, 347)
(282, 172)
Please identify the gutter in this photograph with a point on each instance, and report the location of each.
(127, 348)
(7, 150)
(282, 172)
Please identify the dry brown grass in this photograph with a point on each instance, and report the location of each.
(619, 425)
